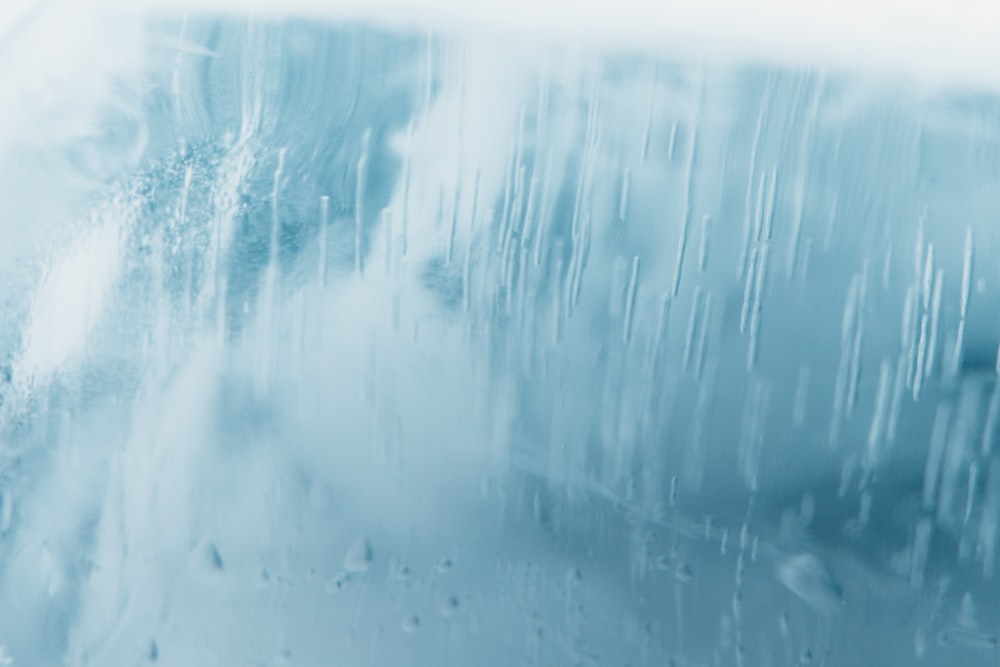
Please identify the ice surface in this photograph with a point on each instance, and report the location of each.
(338, 338)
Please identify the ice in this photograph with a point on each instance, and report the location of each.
(399, 333)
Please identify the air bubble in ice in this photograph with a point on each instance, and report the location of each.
(399, 571)
(339, 582)
(411, 623)
(449, 607)
(443, 566)
(806, 576)
(359, 556)
(968, 638)
(684, 573)
(206, 561)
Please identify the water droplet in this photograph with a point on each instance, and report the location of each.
(411, 623)
(684, 573)
(805, 576)
(359, 556)
(338, 583)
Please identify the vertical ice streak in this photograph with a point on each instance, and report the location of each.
(689, 176)
(752, 439)
(694, 320)
(963, 306)
(701, 347)
(799, 190)
(267, 301)
(324, 223)
(877, 430)
(988, 525)
(623, 198)
(706, 230)
(359, 198)
(648, 127)
(748, 218)
(633, 288)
